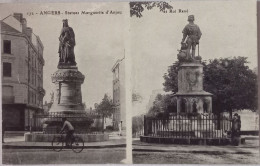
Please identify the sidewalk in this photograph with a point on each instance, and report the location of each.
(251, 147)
(17, 142)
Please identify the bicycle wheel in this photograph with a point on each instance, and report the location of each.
(57, 144)
(77, 144)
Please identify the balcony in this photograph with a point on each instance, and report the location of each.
(8, 99)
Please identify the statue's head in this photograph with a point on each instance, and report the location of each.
(191, 18)
(65, 23)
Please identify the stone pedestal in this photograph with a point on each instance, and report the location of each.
(191, 98)
(67, 101)
(68, 98)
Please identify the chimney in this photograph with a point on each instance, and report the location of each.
(24, 25)
(29, 32)
(18, 16)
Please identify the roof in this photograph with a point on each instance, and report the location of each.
(6, 27)
(117, 62)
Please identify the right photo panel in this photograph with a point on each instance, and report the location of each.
(194, 82)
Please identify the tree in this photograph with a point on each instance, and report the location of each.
(232, 83)
(136, 8)
(136, 97)
(162, 106)
(171, 78)
(137, 124)
(157, 107)
(105, 108)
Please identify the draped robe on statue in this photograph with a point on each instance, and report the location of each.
(67, 43)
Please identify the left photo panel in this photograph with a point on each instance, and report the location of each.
(63, 83)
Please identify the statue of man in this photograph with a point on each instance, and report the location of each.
(67, 43)
(193, 32)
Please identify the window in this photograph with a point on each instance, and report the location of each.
(7, 69)
(7, 46)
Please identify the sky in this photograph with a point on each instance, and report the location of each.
(99, 42)
(228, 29)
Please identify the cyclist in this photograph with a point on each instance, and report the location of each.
(70, 130)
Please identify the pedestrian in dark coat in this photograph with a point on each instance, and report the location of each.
(236, 126)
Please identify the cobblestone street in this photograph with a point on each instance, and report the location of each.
(48, 156)
(146, 153)
(193, 158)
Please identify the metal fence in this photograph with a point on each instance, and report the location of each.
(51, 123)
(188, 126)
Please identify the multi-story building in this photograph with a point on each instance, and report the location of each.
(119, 115)
(22, 73)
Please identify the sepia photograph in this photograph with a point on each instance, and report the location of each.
(131, 82)
(194, 82)
(63, 78)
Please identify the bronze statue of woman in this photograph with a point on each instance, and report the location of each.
(67, 43)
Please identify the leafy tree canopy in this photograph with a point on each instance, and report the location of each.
(162, 106)
(232, 83)
(105, 108)
(136, 97)
(136, 8)
(137, 124)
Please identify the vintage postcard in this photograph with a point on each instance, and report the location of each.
(142, 82)
(63, 83)
(194, 72)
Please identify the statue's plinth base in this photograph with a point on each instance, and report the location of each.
(191, 98)
(67, 108)
(68, 100)
(68, 96)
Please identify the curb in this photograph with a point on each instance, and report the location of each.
(192, 151)
(50, 147)
(251, 138)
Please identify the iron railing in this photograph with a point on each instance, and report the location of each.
(51, 123)
(188, 126)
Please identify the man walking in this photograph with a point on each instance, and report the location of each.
(236, 126)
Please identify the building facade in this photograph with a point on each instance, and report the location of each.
(22, 73)
(119, 115)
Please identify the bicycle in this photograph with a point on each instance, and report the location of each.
(76, 143)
